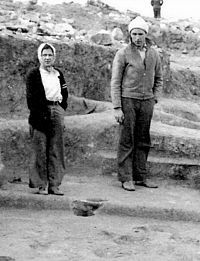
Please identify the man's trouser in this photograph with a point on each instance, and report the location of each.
(49, 163)
(134, 141)
(156, 11)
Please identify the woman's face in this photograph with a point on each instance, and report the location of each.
(47, 58)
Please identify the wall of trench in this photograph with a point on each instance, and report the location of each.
(87, 70)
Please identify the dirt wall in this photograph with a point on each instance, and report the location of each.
(86, 67)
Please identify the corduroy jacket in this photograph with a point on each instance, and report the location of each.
(133, 78)
(36, 99)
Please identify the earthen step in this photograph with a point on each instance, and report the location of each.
(176, 168)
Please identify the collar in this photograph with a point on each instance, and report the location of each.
(144, 49)
(52, 70)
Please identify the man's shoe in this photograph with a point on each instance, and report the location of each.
(128, 185)
(42, 191)
(55, 191)
(146, 184)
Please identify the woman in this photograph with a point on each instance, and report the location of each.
(47, 94)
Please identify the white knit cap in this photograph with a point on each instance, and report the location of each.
(41, 48)
(138, 23)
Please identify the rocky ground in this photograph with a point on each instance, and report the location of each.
(87, 37)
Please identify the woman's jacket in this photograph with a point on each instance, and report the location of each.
(36, 99)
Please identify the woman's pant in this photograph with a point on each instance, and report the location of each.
(134, 141)
(49, 162)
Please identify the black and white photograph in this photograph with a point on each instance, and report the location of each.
(99, 130)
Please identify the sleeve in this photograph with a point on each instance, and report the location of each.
(34, 95)
(64, 91)
(118, 68)
(158, 79)
(30, 97)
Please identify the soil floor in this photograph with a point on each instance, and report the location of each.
(173, 199)
(61, 236)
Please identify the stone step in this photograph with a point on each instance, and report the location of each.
(180, 168)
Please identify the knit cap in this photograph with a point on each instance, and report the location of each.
(138, 23)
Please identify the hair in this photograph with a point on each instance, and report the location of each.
(47, 46)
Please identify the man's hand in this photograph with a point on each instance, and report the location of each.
(119, 115)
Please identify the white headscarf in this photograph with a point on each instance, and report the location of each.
(40, 50)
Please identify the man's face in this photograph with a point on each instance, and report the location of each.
(47, 58)
(138, 37)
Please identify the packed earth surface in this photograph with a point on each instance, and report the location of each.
(60, 236)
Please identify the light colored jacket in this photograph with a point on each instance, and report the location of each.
(133, 78)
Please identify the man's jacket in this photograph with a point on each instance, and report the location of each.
(156, 3)
(36, 99)
(133, 78)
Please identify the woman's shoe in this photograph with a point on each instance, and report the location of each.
(42, 191)
(128, 185)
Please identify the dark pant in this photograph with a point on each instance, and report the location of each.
(156, 11)
(49, 163)
(134, 141)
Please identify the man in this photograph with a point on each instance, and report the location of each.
(135, 86)
(47, 94)
(156, 7)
